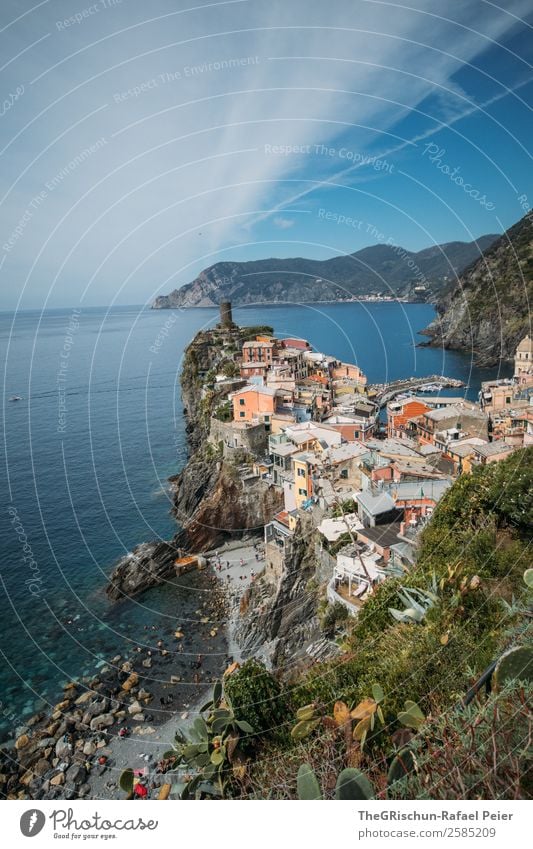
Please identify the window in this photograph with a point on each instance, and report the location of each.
(301, 473)
(242, 401)
(344, 473)
(242, 414)
(302, 492)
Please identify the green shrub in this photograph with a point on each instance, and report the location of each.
(258, 698)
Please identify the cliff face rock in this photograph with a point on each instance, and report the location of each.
(221, 506)
(488, 311)
(148, 565)
(275, 624)
(376, 269)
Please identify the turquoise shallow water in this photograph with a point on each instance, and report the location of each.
(89, 448)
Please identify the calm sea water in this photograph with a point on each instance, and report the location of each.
(87, 454)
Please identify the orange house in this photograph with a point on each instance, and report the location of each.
(399, 413)
(253, 403)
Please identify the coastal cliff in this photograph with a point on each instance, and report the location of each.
(212, 502)
(487, 312)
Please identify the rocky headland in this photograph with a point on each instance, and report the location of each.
(487, 311)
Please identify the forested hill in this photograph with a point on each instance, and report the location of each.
(379, 269)
(488, 310)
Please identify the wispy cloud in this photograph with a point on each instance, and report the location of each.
(283, 223)
(205, 128)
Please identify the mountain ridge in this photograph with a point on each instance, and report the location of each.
(374, 270)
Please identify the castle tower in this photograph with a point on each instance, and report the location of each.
(226, 319)
(523, 361)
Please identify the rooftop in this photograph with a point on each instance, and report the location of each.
(375, 504)
(333, 529)
(305, 457)
(399, 447)
(262, 390)
(493, 448)
(382, 535)
(454, 411)
(426, 488)
(284, 449)
(346, 451)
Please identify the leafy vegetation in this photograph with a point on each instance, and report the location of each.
(334, 730)
(257, 698)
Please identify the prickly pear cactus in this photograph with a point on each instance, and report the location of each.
(352, 784)
(402, 765)
(516, 664)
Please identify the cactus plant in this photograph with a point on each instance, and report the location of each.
(412, 716)
(516, 664)
(308, 786)
(401, 765)
(352, 785)
(366, 712)
(212, 748)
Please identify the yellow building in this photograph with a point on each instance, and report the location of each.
(302, 465)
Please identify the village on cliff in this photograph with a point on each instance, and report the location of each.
(309, 426)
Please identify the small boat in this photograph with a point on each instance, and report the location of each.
(16, 398)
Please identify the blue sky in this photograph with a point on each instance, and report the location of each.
(141, 143)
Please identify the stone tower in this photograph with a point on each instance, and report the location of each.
(226, 319)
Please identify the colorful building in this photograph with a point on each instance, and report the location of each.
(259, 351)
(399, 412)
(303, 466)
(253, 403)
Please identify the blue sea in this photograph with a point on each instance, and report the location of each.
(89, 448)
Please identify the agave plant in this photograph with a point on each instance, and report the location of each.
(212, 748)
(417, 603)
